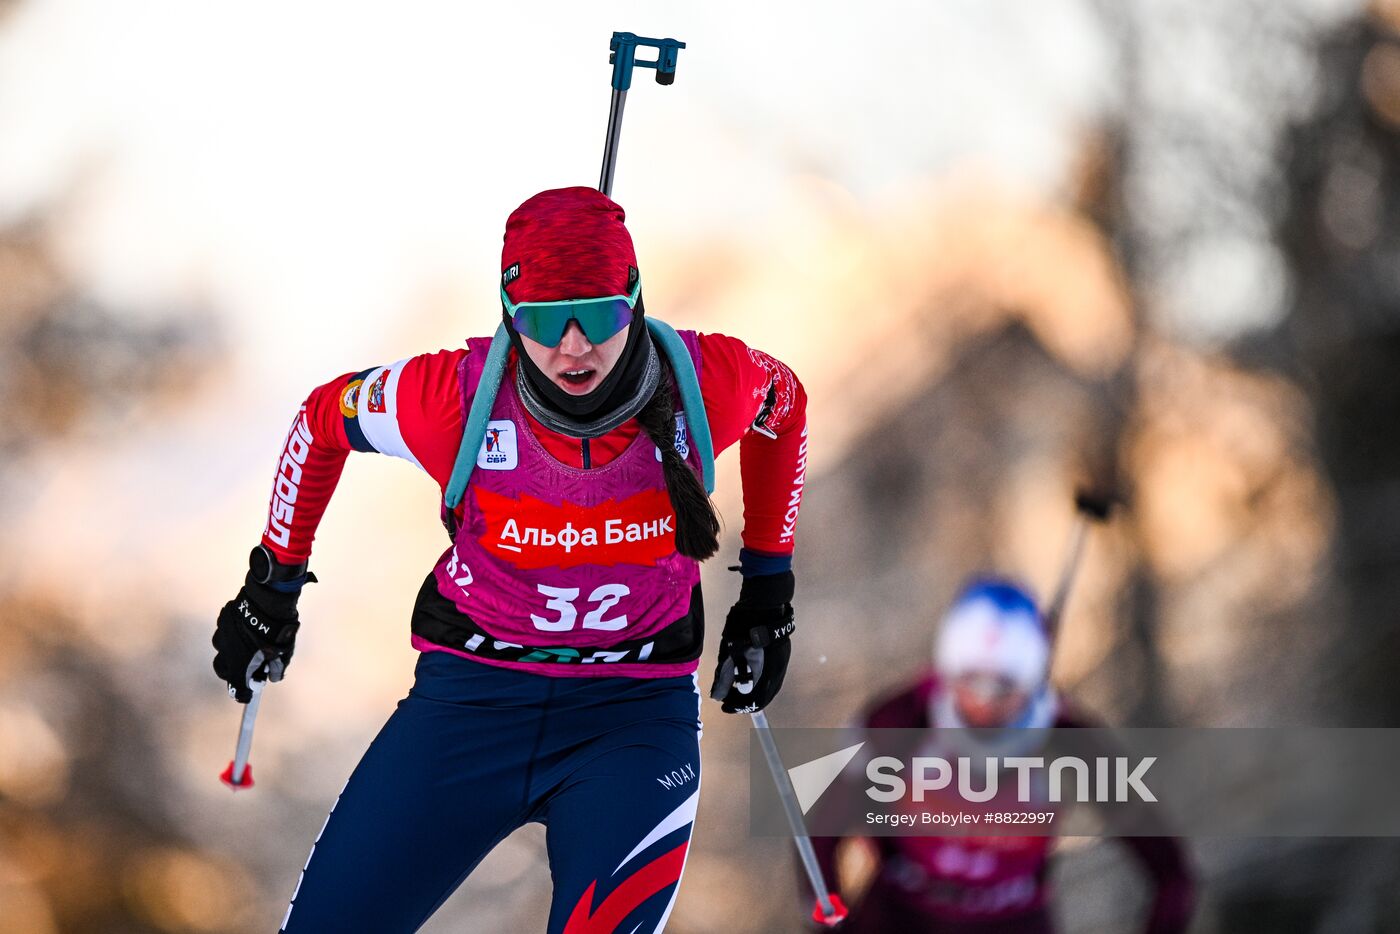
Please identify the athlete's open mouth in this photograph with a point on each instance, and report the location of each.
(576, 377)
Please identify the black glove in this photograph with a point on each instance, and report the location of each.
(754, 650)
(257, 630)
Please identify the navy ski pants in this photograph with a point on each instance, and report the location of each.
(610, 766)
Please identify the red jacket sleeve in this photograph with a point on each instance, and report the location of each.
(307, 472)
(756, 400)
(410, 409)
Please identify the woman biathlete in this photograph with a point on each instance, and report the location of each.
(560, 632)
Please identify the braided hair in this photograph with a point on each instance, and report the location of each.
(697, 524)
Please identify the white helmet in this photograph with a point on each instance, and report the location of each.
(994, 627)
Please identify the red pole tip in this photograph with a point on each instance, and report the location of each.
(227, 777)
(838, 911)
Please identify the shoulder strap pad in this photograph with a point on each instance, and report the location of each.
(493, 371)
(688, 382)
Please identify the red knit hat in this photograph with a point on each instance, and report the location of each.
(567, 243)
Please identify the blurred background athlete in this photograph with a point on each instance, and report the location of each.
(990, 675)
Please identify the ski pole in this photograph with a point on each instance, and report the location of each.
(1089, 507)
(624, 58)
(828, 910)
(239, 774)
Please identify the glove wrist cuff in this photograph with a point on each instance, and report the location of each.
(265, 569)
(277, 599)
(763, 591)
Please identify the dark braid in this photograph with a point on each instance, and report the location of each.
(697, 525)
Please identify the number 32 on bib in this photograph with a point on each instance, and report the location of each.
(562, 600)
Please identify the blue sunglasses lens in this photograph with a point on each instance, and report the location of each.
(546, 323)
(601, 320)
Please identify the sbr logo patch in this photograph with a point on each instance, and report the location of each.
(498, 448)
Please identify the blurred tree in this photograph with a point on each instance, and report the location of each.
(1340, 228)
(1285, 173)
(86, 843)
